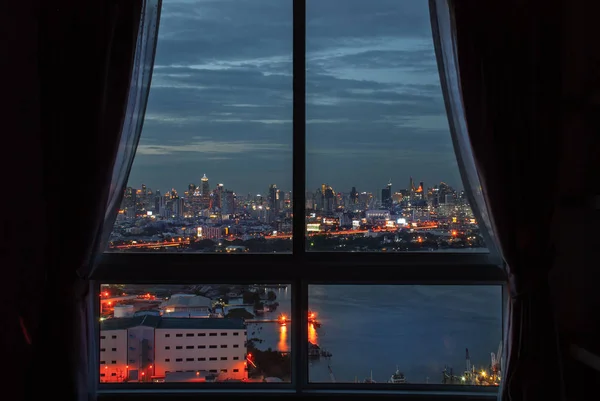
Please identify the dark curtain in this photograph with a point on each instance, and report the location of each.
(77, 97)
(505, 58)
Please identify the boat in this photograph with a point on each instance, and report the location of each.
(398, 377)
(369, 379)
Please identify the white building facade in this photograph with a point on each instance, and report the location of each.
(146, 348)
(216, 346)
(113, 355)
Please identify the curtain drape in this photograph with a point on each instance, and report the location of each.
(83, 75)
(499, 66)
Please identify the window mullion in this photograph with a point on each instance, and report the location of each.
(299, 129)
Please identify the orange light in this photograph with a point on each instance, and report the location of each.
(106, 367)
(249, 355)
(150, 366)
(127, 367)
(105, 294)
(143, 373)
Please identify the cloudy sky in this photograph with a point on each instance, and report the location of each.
(221, 97)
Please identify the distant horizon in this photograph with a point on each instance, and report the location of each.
(213, 184)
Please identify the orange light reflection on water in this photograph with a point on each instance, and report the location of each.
(282, 346)
(312, 334)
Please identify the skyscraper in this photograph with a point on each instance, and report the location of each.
(204, 187)
(274, 198)
(204, 192)
(353, 196)
(386, 195)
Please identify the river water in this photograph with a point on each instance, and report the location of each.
(376, 328)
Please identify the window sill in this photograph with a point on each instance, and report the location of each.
(474, 394)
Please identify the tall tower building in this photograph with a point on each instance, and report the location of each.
(204, 187)
(386, 195)
(274, 198)
(353, 196)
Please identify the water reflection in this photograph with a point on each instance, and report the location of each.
(282, 345)
(312, 334)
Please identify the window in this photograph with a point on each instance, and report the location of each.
(189, 347)
(374, 107)
(167, 360)
(223, 334)
(179, 347)
(102, 337)
(113, 362)
(102, 362)
(224, 112)
(167, 335)
(189, 359)
(114, 349)
(113, 337)
(367, 107)
(223, 370)
(167, 347)
(189, 335)
(223, 346)
(102, 349)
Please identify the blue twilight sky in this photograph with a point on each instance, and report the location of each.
(221, 97)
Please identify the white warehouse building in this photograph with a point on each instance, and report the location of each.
(144, 348)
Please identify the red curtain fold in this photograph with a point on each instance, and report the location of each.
(509, 64)
(70, 93)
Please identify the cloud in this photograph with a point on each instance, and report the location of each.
(206, 146)
(222, 95)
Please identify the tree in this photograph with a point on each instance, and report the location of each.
(239, 313)
(250, 297)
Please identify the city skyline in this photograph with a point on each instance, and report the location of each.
(221, 99)
(214, 183)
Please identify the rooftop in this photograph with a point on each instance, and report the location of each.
(186, 301)
(158, 322)
(124, 323)
(207, 323)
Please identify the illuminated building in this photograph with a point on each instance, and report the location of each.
(386, 195)
(145, 348)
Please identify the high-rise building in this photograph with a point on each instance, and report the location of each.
(274, 203)
(353, 196)
(228, 202)
(386, 195)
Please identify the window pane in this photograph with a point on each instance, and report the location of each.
(425, 334)
(381, 171)
(195, 333)
(213, 170)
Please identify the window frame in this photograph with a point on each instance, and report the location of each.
(420, 268)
